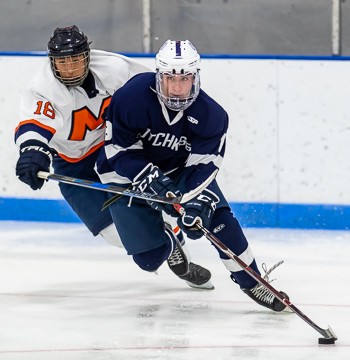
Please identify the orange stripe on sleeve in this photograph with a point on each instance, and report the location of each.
(37, 123)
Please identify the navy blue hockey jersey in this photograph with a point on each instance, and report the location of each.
(141, 130)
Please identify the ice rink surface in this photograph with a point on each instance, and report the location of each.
(68, 296)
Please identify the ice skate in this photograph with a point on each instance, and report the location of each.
(177, 260)
(263, 296)
(198, 277)
(195, 275)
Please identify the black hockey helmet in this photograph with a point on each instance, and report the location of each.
(66, 42)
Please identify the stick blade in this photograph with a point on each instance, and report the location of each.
(331, 333)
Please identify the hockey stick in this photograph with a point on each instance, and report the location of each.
(328, 334)
(193, 193)
(126, 192)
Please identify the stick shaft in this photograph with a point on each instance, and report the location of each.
(128, 192)
(108, 188)
(326, 333)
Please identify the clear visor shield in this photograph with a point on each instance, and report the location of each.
(177, 91)
(71, 70)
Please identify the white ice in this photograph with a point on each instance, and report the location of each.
(66, 295)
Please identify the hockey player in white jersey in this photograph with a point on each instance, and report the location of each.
(62, 123)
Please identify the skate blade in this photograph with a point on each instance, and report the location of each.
(206, 286)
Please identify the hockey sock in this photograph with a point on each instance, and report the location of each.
(228, 230)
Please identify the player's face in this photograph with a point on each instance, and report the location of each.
(177, 85)
(70, 67)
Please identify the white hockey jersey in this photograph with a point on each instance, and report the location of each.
(66, 118)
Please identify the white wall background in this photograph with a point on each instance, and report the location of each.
(289, 136)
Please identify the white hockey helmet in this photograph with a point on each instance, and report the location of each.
(177, 58)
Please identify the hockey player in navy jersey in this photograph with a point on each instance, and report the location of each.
(62, 122)
(166, 135)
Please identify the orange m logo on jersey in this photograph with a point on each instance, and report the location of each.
(84, 120)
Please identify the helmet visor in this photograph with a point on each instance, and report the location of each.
(177, 91)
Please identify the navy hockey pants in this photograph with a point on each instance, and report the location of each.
(86, 203)
(142, 229)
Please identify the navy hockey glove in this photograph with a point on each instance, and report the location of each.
(34, 156)
(152, 180)
(198, 210)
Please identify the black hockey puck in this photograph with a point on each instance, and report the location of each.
(325, 341)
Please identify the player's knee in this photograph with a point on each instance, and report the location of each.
(151, 260)
(224, 220)
(110, 234)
